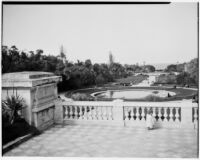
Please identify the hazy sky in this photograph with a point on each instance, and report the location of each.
(134, 33)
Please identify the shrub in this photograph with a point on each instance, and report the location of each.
(153, 98)
(155, 92)
(13, 125)
(82, 97)
(10, 108)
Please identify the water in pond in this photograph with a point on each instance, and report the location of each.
(132, 94)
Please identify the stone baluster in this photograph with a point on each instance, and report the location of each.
(195, 114)
(81, 112)
(75, 112)
(143, 114)
(66, 112)
(101, 112)
(132, 113)
(126, 110)
(104, 113)
(165, 115)
(137, 114)
(78, 112)
(85, 112)
(147, 109)
(90, 112)
(70, 112)
(107, 113)
(159, 114)
(98, 111)
(171, 114)
(94, 112)
(177, 115)
(111, 113)
(65, 109)
(154, 112)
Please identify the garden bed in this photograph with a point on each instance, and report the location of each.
(18, 129)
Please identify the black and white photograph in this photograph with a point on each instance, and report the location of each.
(100, 79)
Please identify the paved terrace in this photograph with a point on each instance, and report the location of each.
(110, 141)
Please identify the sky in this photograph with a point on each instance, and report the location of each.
(152, 34)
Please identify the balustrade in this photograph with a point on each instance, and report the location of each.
(166, 114)
(88, 112)
(125, 113)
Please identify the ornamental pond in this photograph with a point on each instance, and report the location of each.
(133, 94)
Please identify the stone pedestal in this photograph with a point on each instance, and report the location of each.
(118, 113)
(39, 90)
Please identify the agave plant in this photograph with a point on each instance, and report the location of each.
(11, 106)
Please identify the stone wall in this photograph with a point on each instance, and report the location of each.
(39, 91)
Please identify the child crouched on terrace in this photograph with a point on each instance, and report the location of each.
(150, 120)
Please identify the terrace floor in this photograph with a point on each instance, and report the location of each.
(110, 141)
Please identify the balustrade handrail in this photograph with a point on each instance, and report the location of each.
(160, 104)
(87, 103)
(140, 104)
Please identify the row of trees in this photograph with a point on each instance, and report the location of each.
(188, 72)
(13, 61)
(138, 69)
(80, 74)
(75, 75)
(175, 67)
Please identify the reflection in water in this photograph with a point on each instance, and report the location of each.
(111, 93)
(133, 94)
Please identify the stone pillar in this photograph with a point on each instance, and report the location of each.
(59, 115)
(186, 115)
(118, 113)
(39, 91)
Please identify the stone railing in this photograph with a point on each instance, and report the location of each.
(88, 112)
(195, 116)
(170, 114)
(195, 113)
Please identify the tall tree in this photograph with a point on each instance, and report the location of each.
(171, 68)
(62, 54)
(111, 58)
(192, 69)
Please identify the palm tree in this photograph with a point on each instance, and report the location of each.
(11, 106)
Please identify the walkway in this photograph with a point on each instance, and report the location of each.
(110, 141)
